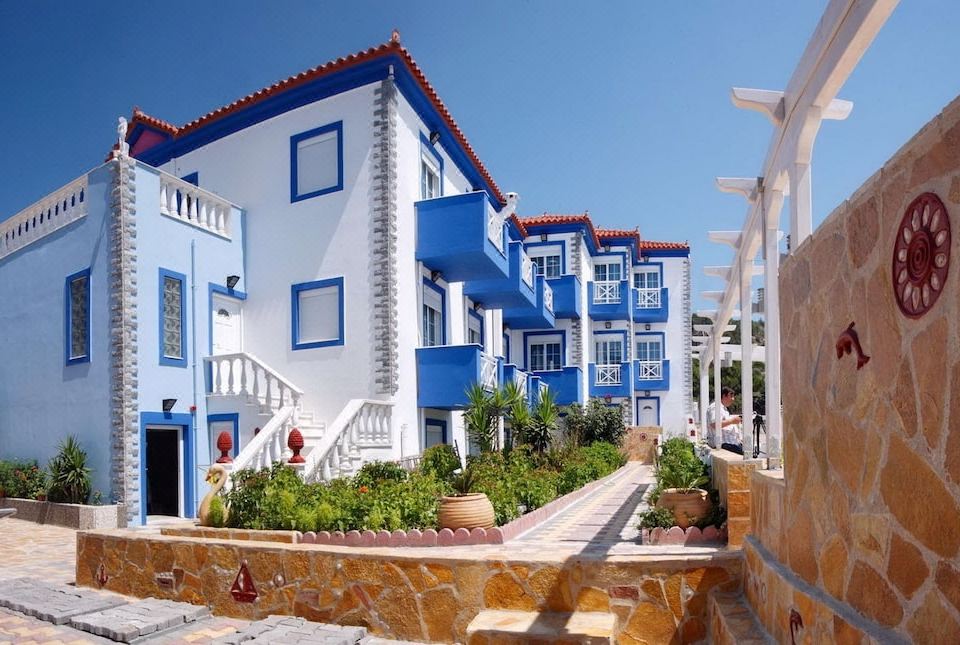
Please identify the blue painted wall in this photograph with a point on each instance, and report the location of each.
(163, 242)
(42, 399)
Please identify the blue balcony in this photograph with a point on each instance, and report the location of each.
(539, 316)
(565, 384)
(513, 374)
(651, 375)
(533, 391)
(566, 296)
(516, 290)
(462, 237)
(610, 380)
(609, 300)
(444, 374)
(650, 305)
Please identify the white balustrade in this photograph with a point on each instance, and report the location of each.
(650, 370)
(648, 298)
(488, 372)
(548, 296)
(543, 389)
(495, 228)
(526, 265)
(53, 212)
(244, 374)
(520, 380)
(337, 454)
(194, 206)
(270, 444)
(606, 292)
(608, 375)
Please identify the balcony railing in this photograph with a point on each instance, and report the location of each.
(527, 268)
(194, 206)
(648, 298)
(548, 296)
(608, 375)
(606, 292)
(520, 380)
(650, 370)
(495, 228)
(488, 372)
(51, 213)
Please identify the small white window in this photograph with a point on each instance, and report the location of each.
(429, 175)
(435, 433)
(647, 279)
(433, 323)
(317, 162)
(609, 352)
(547, 265)
(318, 313)
(607, 272)
(474, 329)
(545, 354)
(649, 349)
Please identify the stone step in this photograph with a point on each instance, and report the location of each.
(501, 626)
(54, 603)
(135, 621)
(732, 621)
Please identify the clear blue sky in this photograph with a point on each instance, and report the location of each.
(621, 108)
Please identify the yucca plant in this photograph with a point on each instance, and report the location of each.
(543, 423)
(69, 473)
(465, 482)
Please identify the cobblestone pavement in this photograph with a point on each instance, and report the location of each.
(38, 550)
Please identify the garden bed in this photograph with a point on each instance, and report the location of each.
(74, 516)
(400, 537)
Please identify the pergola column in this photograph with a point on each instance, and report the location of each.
(773, 202)
(801, 200)
(746, 357)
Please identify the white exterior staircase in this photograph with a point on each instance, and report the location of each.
(329, 452)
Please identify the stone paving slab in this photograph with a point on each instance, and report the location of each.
(130, 622)
(51, 602)
(283, 630)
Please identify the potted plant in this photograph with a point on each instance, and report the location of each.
(466, 508)
(680, 474)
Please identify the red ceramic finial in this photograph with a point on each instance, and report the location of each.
(295, 443)
(224, 445)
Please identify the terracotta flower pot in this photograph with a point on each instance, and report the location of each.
(687, 507)
(466, 511)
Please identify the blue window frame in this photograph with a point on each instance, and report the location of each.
(434, 433)
(431, 170)
(317, 313)
(434, 315)
(544, 350)
(474, 327)
(76, 310)
(316, 162)
(172, 306)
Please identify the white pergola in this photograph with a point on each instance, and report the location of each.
(843, 34)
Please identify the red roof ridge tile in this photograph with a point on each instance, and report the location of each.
(393, 45)
(653, 244)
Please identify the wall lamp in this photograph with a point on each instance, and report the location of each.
(434, 276)
(434, 137)
(606, 248)
(232, 281)
(607, 325)
(168, 404)
(647, 327)
(543, 237)
(477, 307)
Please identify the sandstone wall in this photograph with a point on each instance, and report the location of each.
(872, 502)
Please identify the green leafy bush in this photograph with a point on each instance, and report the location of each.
(679, 467)
(69, 474)
(656, 518)
(215, 515)
(441, 461)
(375, 473)
(22, 478)
(592, 422)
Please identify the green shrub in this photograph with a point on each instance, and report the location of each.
(22, 478)
(656, 518)
(215, 514)
(69, 474)
(586, 424)
(441, 461)
(606, 454)
(679, 466)
(374, 473)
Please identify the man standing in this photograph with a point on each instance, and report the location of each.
(731, 438)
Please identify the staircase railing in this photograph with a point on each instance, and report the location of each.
(270, 444)
(363, 423)
(243, 374)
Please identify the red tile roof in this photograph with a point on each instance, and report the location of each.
(650, 244)
(549, 218)
(393, 46)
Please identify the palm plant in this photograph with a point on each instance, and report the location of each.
(484, 411)
(543, 423)
(520, 419)
(69, 474)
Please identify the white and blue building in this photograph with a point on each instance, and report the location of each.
(328, 254)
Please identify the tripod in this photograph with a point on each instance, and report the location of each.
(758, 426)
